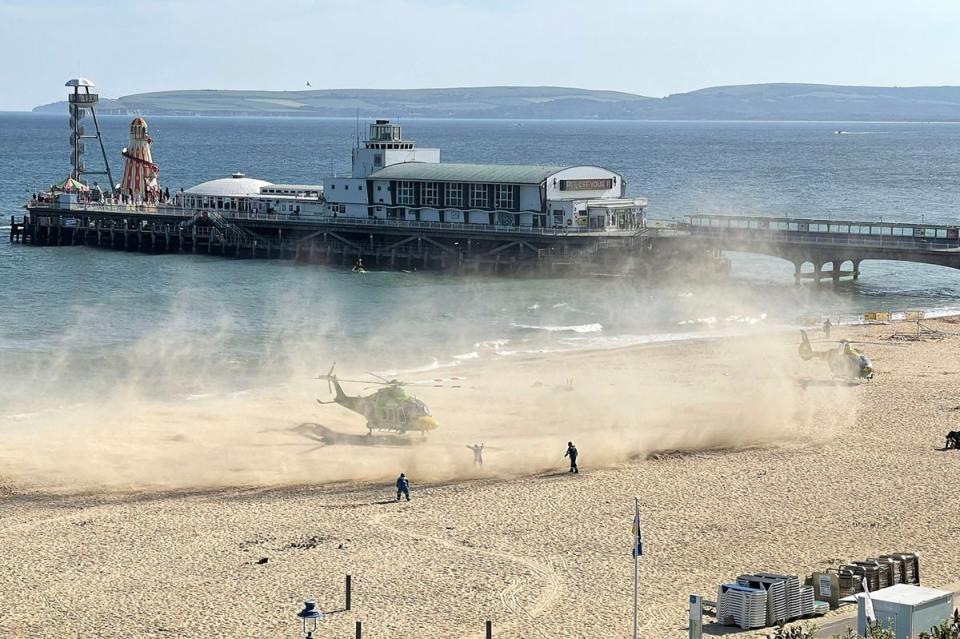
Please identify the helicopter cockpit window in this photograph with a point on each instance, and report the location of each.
(418, 407)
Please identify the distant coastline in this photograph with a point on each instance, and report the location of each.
(761, 102)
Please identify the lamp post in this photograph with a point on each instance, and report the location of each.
(310, 615)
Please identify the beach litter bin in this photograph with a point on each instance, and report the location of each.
(826, 587)
(906, 609)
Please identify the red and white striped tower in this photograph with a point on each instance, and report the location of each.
(139, 171)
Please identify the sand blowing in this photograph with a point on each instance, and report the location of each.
(617, 405)
(137, 516)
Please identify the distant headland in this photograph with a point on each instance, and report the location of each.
(744, 102)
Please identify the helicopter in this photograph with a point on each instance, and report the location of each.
(390, 409)
(845, 361)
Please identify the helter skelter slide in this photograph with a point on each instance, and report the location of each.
(139, 171)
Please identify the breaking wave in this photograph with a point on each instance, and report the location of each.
(578, 328)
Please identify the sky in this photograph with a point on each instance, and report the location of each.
(649, 47)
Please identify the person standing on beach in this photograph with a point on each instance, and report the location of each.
(403, 487)
(826, 328)
(572, 454)
(477, 454)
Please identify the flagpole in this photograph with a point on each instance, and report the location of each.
(636, 572)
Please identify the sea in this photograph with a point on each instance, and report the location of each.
(76, 322)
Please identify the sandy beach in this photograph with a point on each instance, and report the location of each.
(148, 519)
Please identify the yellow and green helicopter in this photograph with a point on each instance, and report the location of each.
(845, 361)
(390, 409)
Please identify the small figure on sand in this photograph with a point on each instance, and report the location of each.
(477, 454)
(403, 487)
(827, 325)
(358, 266)
(953, 440)
(572, 454)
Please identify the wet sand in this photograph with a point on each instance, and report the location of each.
(153, 525)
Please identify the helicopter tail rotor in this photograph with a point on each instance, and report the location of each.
(330, 377)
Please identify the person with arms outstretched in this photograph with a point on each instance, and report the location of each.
(477, 454)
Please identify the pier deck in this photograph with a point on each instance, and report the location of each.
(394, 243)
(823, 242)
(328, 239)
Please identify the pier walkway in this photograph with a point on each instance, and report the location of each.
(696, 239)
(395, 243)
(822, 242)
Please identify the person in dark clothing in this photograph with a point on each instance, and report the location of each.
(477, 454)
(572, 454)
(403, 487)
(827, 325)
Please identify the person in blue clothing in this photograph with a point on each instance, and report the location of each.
(403, 487)
(572, 454)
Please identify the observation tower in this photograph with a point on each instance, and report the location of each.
(80, 103)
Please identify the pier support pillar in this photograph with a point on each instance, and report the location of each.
(817, 271)
(797, 270)
(836, 271)
(856, 269)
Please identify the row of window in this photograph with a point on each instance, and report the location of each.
(478, 195)
(452, 194)
(239, 204)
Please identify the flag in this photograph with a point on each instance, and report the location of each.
(637, 535)
(868, 604)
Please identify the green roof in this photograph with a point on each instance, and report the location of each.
(446, 172)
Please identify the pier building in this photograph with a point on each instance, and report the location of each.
(242, 194)
(393, 179)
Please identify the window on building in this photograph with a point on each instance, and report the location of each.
(429, 197)
(378, 159)
(504, 196)
(405, 193)
(455, 195)
(478, 196)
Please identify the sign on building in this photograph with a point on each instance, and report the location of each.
(600, 184)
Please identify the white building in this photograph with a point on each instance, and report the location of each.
(393, 179)
(241, 195)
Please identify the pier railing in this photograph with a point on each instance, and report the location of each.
(826, 239)
(186, 213)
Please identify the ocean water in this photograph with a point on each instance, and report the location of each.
(77, 319)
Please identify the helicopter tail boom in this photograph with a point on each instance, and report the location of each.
(333, 385)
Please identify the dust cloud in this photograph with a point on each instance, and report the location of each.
(171, 411)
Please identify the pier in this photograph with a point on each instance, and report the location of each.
(824, 242)
(697, 240)
(379, 243)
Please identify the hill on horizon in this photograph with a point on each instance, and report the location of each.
(777, 101)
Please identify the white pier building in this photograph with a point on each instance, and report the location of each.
(392, 179)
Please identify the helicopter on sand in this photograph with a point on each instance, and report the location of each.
(389, 409)
(844, 361)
